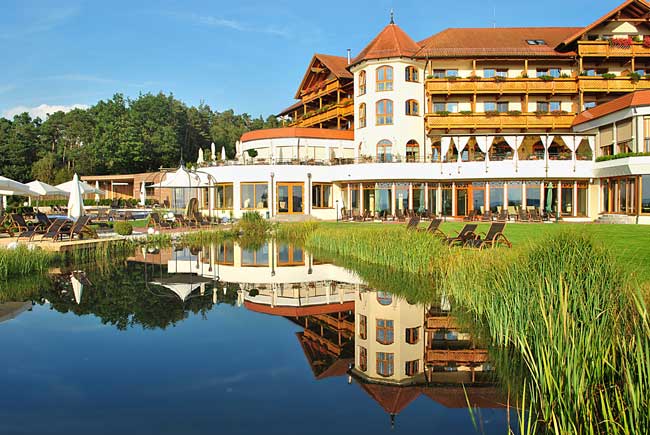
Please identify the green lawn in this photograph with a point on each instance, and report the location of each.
(630, 244)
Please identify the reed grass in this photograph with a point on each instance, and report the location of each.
(560, 308)
(22, 261)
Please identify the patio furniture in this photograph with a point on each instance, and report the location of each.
(487, 216)
(80, 228)
(493, 237)
(471, 216)
(523, 215)
(154, 219)
(413, 223)
(467, 233)
(434, 228)
(53, 232)
(535, 216)
(502, 216)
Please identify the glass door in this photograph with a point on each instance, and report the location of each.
(290, 198)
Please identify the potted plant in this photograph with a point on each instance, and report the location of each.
(546, 78)
(500, 79)
(635, 77)
(514, 112)
(624, 43)
(491, 113)
(443, 113)
(608, 76)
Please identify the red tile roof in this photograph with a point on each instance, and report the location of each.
(291, 108)
(390, 42)
(635, 8)
(338, 65)
(510, 41)
(313, 133)
(633, 99)
(393, 398)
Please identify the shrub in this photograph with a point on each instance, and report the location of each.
(252, 153)
(514, 112)
(546, 78)
(443, 113)
(465, 112)
(491, 113)
(635, 77)
(123, 228)
(608, 76)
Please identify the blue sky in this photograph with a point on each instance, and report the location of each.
(246, 55)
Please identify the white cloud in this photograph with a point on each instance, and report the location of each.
(38, 24)
(40, 111)
(212, 21)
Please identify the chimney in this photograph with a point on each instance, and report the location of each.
(349, 56)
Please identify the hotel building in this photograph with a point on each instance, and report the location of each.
(464, 120)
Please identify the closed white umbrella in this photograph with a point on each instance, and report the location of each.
(223, 153)
(143, 194)
(97, 193)
(213, 152)
(200, 160)
(75, 203)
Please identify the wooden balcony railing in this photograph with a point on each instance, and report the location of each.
(604, 49)
(501, 121)
(507, 86)
(340, 110)
(441, 322)
(326, 89)
(460, 357)
(618, 84)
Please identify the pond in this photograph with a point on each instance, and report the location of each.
(224, 339)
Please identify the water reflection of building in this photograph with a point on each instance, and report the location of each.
(11, 310)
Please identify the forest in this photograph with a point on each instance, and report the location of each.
(118, 136)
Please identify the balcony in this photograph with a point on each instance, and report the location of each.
(319, 91)
(342, 110)
(460, 357)
(604, 49)
(618, 84)
(502, 121)
(514, 86)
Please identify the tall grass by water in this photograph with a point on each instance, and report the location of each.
(22, 261)
(561, 309)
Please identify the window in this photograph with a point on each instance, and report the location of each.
(362, 83)
(385, 78)
(645, 194)
(384, 298)
(545, 106)
(589, 104)
(452, 107)
(555, 106)
(412, 108)
(554, 72)
(385, 332)
(412, 335)
(384, 112)
(451, 73)
(363, 359)
(594, 72)
(254, 195)
(439, 74)
(412, 151)
(385, 364)
(640, 71)
(255, 257)
(362, 115)
(489, 73)
(411, 74)
(542, 106)
(489, 106)
(535, 42)
(321, 195)
(290, 255)
(363, 327)
(412, 368)
(223, 196)
(502, 72)
(385, 151)
(502, 106)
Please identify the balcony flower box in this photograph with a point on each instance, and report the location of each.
(624, 43)
(646, 42)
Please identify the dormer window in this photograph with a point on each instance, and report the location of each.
(535, 42)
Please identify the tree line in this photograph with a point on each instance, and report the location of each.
(117, 136)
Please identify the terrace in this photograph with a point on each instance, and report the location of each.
(503, 86)
(500, 121)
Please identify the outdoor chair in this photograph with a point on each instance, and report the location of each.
(467, 233)
(80, 228)
(413, 223)
(535, 216)
(400, 216)
(17, 224)
(523, 215)
(53, 232)
(434, 228)
(471, 216)
(200, 220)
(154, 219)
(493, 237)
(502, 216)
(487, 216)
(40, 228)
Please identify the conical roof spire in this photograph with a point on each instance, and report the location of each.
(392, 41)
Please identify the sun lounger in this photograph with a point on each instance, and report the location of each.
(467, 233)
(534, 216)
(523, 215)
(487, 216)
(434, 228)
(413, 223)
(502, 216)
(493, 237)
(80, 228)
(471, 216)
(154, 219)
(200, 220)
(53, 232)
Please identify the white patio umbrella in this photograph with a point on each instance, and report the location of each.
(213, 153)
(11, 187)
(75, 202)
(97, 191)
(200, 160)
(44, 189)
(223, 153)
(86, 188)
(143, 193)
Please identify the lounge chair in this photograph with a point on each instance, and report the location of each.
(493, 237)
(400, 216)
(200, 220)
(434, 228)
(467, 233)
(523, 215)
(54, 231)
(79, 228)
(40, 228)
(534, 216)
(471, 216)
(413, 223)
(502, 216)
(154, 219)
(487, 216)
(17, 224)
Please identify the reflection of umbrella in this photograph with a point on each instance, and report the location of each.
(549, 198)
(182, 284)
(75, 203)
(78, 280)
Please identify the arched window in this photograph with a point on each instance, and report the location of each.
(411, 74)
(362, 83)
(412, 108)
(412, 151)
(384, 112)
(384, 154)
(362, 115)
(385, 78)
(385, 331)
(384, 298)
